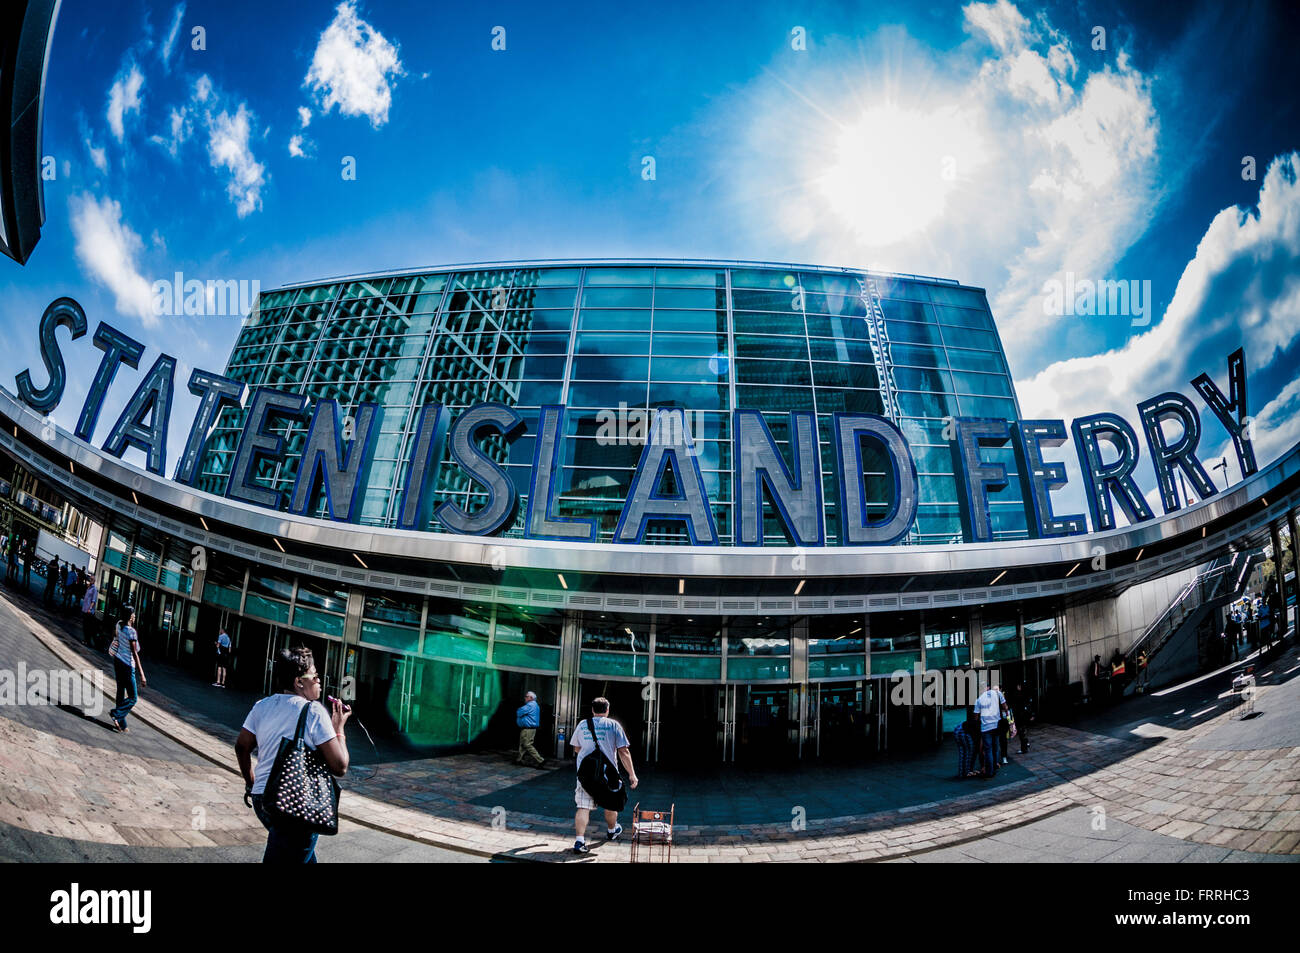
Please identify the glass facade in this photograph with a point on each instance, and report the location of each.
(613, 343)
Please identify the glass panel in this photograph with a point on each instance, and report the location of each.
(323, 622)
(526, 656)
(668, 666)
(1001, 642)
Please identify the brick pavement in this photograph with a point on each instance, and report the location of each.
(1241, 800)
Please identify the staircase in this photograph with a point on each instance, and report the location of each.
(1172, 641)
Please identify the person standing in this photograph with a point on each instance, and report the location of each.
(126, 666)
(612, 740)
(965, 749)
(69, 585)
(276, 717)
(991, 707)
(528, 718)
(51, 575)
(223, 657)
(11, 574)
(27, 566)
(88, 621)
(1019, 701)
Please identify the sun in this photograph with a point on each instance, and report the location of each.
(893, 169)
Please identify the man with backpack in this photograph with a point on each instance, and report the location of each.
(600, 744)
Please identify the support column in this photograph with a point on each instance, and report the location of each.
(799, 674)
(1295, 560)
(351, 636)
(1275, 532)
(567, 701)
(975, 634)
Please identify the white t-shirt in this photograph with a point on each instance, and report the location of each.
(989, 707)
(276, 717)
(609, 733)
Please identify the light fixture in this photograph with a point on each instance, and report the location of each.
(629, 631)
(563, 584)
(856, 631)
(363, 565)
(681, 587)
(1203, 529)
(136, 498)
(1072, 569)
(71, 468)
(1139, 555)
(277, 544)
(997, 577)
(205, 526)
(799, 588)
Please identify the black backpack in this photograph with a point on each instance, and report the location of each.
(600, 778)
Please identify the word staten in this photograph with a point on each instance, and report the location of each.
(337, 454)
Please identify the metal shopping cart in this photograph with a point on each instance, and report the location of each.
(652, 835)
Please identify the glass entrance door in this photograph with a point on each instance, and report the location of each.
(728, 703)
(476, 702)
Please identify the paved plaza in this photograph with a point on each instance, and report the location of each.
(1178, 776)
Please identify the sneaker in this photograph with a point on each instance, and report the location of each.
(216, 684)
(1005, 761)
(580, 847)
(615, 834)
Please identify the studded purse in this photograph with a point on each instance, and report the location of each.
(301, 793)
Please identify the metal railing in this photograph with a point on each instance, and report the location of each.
(1225, 577)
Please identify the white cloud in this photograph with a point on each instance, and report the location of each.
(353, 67)
(295, 147)
(228, 148)
(1001, 22)
(1241, 289)
(304, 116)
(98, 156)
(124, 98)
(107, 249)
(1019, 141)
(169, 41)
(179, 131)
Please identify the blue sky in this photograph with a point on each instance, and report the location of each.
(988, 142)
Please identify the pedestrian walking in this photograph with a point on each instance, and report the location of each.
(281, 716)
(51, 577)
(1018, 699)
(69, 586)
(88, 621)
(223, 657)
(528, 718)
(991, 707)
(11, 574)
(601, 737)
(967, 740)
(125, 651)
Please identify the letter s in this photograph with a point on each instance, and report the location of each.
(63, 312)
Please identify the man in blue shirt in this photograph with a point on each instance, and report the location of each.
(528, 717)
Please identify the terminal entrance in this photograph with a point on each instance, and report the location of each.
(686, 723)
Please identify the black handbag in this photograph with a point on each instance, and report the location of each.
(301, 793)
(600, 778)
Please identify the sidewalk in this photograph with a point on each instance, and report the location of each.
(1160, 779)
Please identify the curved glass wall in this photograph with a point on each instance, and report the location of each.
(614, 343)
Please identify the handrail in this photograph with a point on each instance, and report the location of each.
(1208, 586)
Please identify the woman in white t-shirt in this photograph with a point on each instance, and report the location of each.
(276, 717)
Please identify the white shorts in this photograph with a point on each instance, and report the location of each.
(583, 800)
